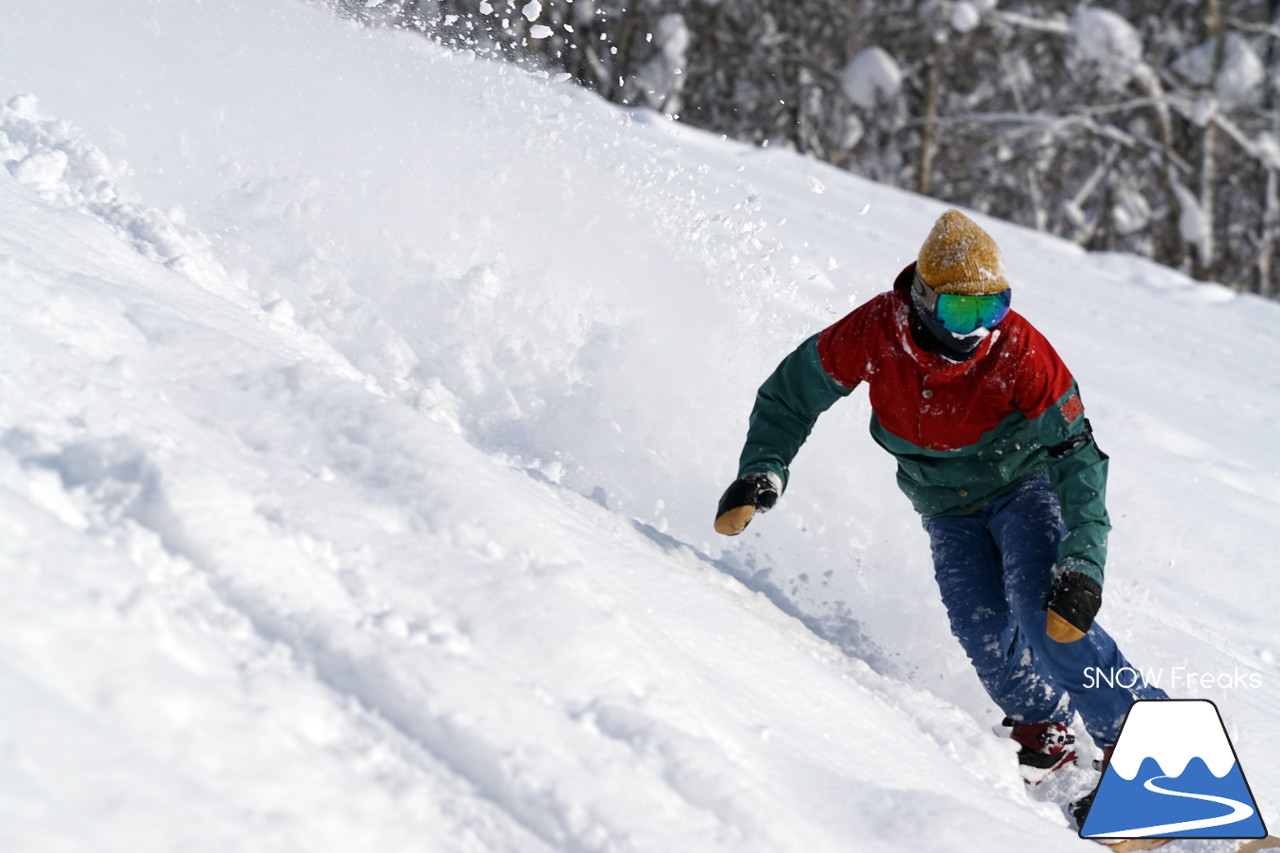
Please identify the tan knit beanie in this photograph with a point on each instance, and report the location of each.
(959, 257)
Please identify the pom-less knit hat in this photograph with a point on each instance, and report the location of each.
(959, 257)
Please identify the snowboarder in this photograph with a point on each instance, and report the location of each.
(995, 452)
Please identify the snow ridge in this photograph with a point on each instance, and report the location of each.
(53, 159)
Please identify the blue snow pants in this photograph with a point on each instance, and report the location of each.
(994, 568)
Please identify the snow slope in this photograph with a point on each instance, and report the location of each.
(364, 410)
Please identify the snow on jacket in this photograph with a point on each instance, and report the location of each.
(963, 433)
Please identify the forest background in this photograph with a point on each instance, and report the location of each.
(1149, 126)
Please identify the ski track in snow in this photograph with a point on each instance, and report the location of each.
(357, 466)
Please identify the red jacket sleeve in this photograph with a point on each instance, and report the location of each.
(849, 347)
(1042, 381)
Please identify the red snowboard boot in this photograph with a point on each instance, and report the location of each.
(1043, 748)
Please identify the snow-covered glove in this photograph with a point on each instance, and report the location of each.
(744, 498)
(1072, 604)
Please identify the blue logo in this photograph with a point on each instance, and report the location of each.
(1174, 774)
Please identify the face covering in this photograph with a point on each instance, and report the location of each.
(954, 326)
(931, 336)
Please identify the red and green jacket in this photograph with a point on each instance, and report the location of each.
(963, 433)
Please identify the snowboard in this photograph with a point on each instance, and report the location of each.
(1135, 844)
(1251, 845)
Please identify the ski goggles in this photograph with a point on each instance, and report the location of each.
(962, 313)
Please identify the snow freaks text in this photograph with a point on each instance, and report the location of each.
(1173, 678)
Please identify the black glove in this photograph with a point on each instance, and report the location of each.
(744, 498)
(1072, 604)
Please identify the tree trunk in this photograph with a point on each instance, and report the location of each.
(1269, 231)
(924, 176)
(1204, 267)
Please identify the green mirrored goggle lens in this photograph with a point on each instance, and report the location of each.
(965, 313)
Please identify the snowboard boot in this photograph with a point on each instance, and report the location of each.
(1079, 809)
(1043, 748)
